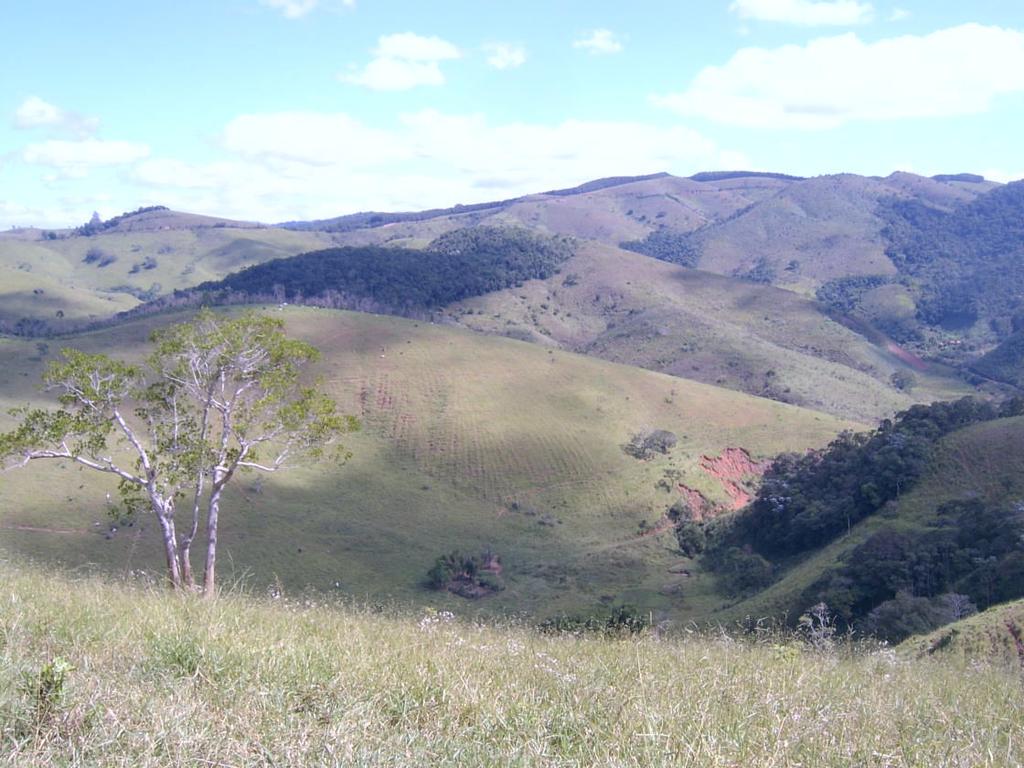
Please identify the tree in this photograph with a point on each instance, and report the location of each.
(216, 397)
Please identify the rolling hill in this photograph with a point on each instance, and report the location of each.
(970, 485)
(734, 331)
(141, 257)
(628, 308)
(470, 441)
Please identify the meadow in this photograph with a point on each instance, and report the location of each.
(100, 673)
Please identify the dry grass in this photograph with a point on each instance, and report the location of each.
(149, 680)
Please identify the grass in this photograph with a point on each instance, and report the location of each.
(989, 634)
(627, 308)
(94, 673)
(180, 258)
(470, 441)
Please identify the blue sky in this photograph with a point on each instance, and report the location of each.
(283, 109)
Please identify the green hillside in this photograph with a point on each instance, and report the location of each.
(627, 308)
(78, 277)
(951, 530)
(995, 634)
(815, 230)
(470, 441)
(727, 330)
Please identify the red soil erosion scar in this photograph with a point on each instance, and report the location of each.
(735, 470)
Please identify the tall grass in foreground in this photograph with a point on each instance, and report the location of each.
(95, 673)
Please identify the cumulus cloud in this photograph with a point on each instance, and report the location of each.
(75, 159)
(35, 112)
(403, 61)
(599, 41)
(505, 55)
(296, 9)
(810, 13)
(834, 80)
(309, 165)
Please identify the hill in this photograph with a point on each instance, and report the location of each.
(992, 634)
(815, 230)
(120, 674)
(735, 330)
(616, 305)
(625, 307)
(470, 442)
(50, 277)
(884, 545)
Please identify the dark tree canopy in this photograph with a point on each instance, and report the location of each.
(458, 265)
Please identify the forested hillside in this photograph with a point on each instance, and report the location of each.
(941, 542)
(959, 278)
(463, 263)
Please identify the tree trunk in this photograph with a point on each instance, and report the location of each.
(186, 545)
(186, 565)
(170, 546)
(210, 575)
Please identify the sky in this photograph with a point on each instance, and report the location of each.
(276, 110)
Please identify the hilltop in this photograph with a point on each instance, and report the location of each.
(773, 241)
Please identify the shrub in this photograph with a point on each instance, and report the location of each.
(621, 620)
(691, 537)
(643, 445)
(906, 615)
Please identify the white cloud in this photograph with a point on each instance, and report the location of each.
(600, 41)
(833, 80)
(1002, 175)
(308, 165)
(35, 112)
(409, 46)
(403, 61)
(76, 158)
(296, 9)
(505, 55)
(899, 14)
(810, 13)
(313, 138)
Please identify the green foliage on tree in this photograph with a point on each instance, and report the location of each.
(965, 264)
(971, 548)
(807, 500)
(460, 264)
(216, 397)
(466, 575)
(666, 245)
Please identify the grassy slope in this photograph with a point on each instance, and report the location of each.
(826, 224)
(989, 634)
(470, 441)
(158, 681)
(611, 215)
(720, 331)
(184, 257)
(632, 309)
(985, 460)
